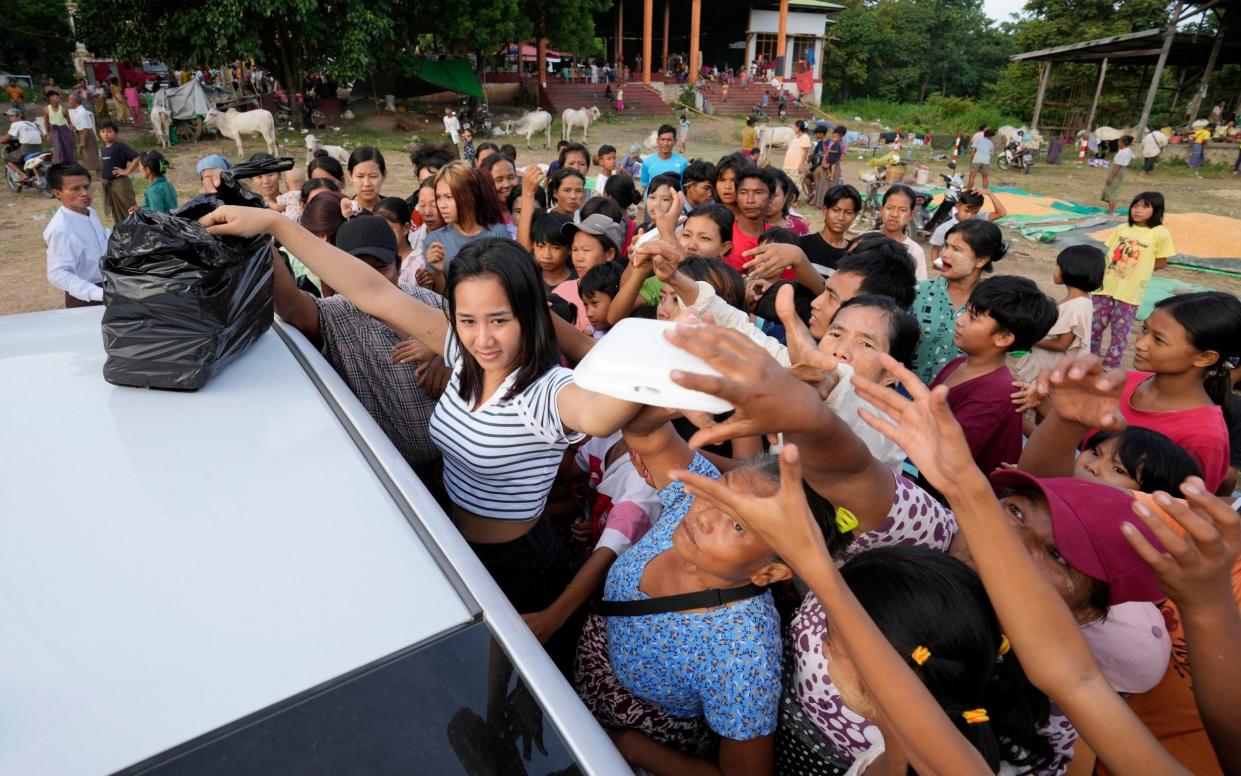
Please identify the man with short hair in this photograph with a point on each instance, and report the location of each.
(755, 188)
(664, 160)
(698, 184)
(84, 127)
(75, 237)
(980, 159)
(208, 169)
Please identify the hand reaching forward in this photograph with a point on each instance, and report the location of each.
(767, 398)
(809, 363)
(1195, 567)
(1081, 392)
(923, 425)
(783, 520)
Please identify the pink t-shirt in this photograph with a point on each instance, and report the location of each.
(625, 506)
(983, 408)
(1201, 430)
(568, 292)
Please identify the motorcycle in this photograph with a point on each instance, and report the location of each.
(952, 190)
(35, 166)
(1020, 159)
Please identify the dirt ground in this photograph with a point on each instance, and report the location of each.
(24, 287)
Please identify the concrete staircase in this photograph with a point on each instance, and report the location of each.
(640, 100)
(741, 101)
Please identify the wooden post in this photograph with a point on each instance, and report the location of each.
(1163, 60)
(695, 27)
(667, 19)
(782, 39)
(1201, 93)
(542, 62)
(1042, 90)
(620, 35)
(1098, 90)
(648, 10)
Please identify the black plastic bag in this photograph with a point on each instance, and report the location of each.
(182, 303)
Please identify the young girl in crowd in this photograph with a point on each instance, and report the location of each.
(268, 186)
(1181, 384)
(726, 180)
(896, 213)
(1134, 252)
(366, 175)
(396, 213)
(782, 201)
(504, 176)
(324, 166)
(551, 250)
(509, 411)
(466, 198)
(160, 196)
(577, 157)
(971, 249)
(1079, 268)
(567, 190)
(414, 270)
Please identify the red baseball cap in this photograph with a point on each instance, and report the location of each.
(1085, 519)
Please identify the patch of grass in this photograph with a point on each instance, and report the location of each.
(939, 115)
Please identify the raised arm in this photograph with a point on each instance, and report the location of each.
(529, 183)
(294, 305)
(1035, 618)
(1081, 396)
(998, 210)
(632, 278)
(770, 400)
(369, 291)
(593, 413)
(926, 734)
(770, 261)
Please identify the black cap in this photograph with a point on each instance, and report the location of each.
(367, 235)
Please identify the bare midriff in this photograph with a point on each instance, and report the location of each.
(489, 530)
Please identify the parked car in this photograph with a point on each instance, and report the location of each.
(247, 579)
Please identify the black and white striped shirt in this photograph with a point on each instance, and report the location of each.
(500, 460)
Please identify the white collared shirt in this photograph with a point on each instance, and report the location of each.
(75, 245)
(82, 118)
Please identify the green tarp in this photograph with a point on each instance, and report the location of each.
(425, 77)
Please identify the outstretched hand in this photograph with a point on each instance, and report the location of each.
(237, 221)
(766, 397)
(1081, 392)
(923, 425)
(1194, 568)
(783, 520)
(809, 363)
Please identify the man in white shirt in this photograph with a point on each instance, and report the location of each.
(28, 137)
(75, 237)
(452, 128)
(84, 127)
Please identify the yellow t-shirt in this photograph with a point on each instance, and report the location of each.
(15, 92)
(749, 138)
(1131, 254)
(1202, 135)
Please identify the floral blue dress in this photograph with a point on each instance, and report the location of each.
(723, 664)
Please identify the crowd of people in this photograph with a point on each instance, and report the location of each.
(892, 553)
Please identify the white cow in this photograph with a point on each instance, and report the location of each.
(773, 137)
(572, 117)
(313, 146)
(161, 123)
(530, 123)
(233, 123)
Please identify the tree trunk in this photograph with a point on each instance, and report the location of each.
(926, 81)
(292, 83)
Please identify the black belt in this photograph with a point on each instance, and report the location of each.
(703, 599)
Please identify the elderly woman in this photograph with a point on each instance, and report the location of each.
(684, 651)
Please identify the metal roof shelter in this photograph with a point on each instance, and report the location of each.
(1161, 47)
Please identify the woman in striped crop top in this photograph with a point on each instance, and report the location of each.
(509, 412)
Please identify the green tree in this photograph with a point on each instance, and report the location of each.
(36, 38)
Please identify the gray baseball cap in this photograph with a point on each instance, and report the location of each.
(599, 225)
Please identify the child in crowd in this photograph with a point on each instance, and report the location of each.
(1003, 314)
(117, 161)
(606, 159)
(556, 163)
(597, 288)
(291, 200)
(969, 205)
(1079, 268)
(160, 196)
(551, 249)
(395, 212)
(467, 147)
(594, 242)
(698, 183)
(1116, 176)
(1134, 252)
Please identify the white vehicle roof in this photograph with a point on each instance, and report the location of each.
(173, 562)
